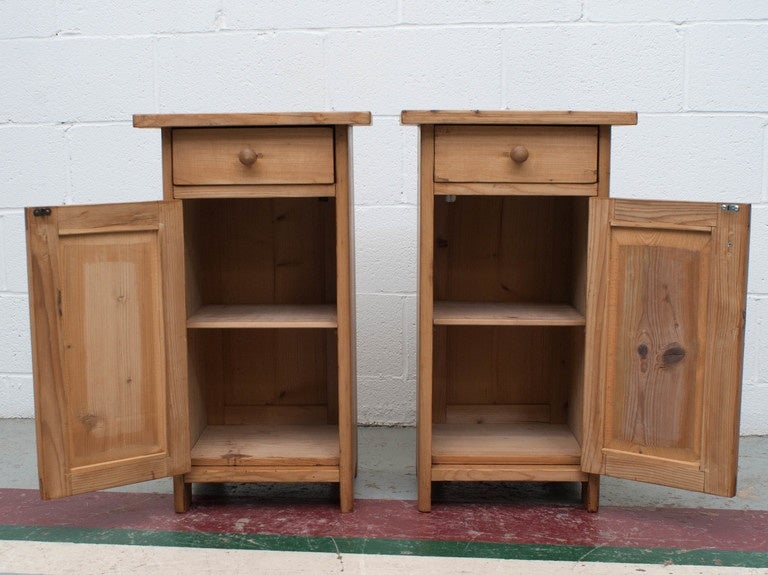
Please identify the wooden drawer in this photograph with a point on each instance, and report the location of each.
(533, 154)
(221, 156)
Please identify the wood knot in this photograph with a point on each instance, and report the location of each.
(89, 421)
(642, 350)
(673, 355)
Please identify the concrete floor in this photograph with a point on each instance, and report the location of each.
(387, 471)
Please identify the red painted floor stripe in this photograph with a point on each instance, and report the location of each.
(386, 519)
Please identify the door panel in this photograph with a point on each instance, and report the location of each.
(664, 342)
(106, 292)
(659, 291)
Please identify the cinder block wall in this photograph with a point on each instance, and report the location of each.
(73, 72)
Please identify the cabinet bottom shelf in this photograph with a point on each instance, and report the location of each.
(505, 452)
(504, 444)
(271, 453)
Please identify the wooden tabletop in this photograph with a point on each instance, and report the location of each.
(517, 117)
(256, 119)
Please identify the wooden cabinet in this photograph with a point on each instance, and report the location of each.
(209, 336)
(563, 334)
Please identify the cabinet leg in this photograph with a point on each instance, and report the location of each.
(425, 496)
(346, 493)
(590, 492)
(182, 494)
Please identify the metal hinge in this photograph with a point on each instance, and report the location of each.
(38, 212)
(729, 207)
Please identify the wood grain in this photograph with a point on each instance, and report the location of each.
(253, 445)
(182, 494)
(491, 249)
(604, 161)
(111, 397)
(262, 250)
(260, 191)
(252, 119)
(513, 189)
(508, 365)
(505, 444)
(303, 414)
(263, 316)
(210, 156)
(264, 473)
(273, 367)
(658, 285)
(725, 351)
(476, 413)
(516, 117)
(522, 314)
(596, 341)
(657, 470)
(482, 154)
(479, 472)
(345, 298)
(590, 492)
(426, 262)
(166, 146)
(686, 214)
(669, 374)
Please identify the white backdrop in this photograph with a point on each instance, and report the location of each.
(74, 71)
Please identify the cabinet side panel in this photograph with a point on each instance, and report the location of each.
(166, 136)
(345, 317)
(603, 161)
(579, 253)
(203, 409)
(426, 306)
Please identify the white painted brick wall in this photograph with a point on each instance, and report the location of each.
(239, 71)
(594, 67)
(674, 11)
(727, 67)
(73, 73)
(431, 12)
(690, 157)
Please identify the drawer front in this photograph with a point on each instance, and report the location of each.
(221, 156)
(564, 154)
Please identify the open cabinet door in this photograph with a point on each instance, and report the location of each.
(665, 332)
(109, 344)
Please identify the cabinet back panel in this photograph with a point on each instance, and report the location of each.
(267, 375)
(506, 373)
(504, 249)
(262, 251)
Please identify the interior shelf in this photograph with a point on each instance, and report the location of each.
(254, 445)
(509, 443)
(263, 316)
(521, 314)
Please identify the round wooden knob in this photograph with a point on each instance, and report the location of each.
(247, 156)
(519, 154)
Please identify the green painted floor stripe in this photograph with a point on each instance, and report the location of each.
(351, 545)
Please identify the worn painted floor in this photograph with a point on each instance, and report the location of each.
(473, 528)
